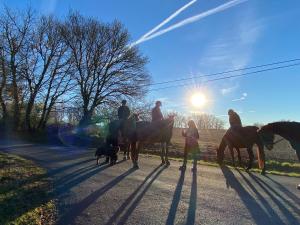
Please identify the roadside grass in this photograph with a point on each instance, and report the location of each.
(273, 167)
(26, 195)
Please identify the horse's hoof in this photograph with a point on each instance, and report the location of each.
(136, 166)
(298, 187)
(167, 163)
(248, 169)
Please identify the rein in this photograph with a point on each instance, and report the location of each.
(276, 142)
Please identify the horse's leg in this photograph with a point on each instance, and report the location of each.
(133, 154)
(124, 146)
(167, 154)
(128, 150)
(239, 156)
(251, 158)
(162, 153)
(232, 154)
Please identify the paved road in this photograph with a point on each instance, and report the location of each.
(90, 194)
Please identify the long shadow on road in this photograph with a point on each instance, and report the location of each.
(292, 196)
(78, 208)
(139, 197)
(267, 189)
(257, 212)
(176, 199)
(121, 209)
(193, 197)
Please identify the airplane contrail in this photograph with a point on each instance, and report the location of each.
(192, 19)
(173, 15)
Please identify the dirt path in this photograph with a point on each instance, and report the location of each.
(90, 194)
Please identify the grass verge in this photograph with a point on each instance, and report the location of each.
(273, 167)
(25, 193)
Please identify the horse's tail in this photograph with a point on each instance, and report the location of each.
(261, 156)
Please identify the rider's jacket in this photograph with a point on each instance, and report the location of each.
(235, 120)
(156, 114)
(123, 112)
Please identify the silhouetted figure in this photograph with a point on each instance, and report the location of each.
(123, 111)
(156, 113)
(191, 142)
(234, 119)
(123, 114)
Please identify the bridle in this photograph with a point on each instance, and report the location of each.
(276, 142)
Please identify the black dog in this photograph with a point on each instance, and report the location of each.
(109, 151)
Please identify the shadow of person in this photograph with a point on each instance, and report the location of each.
(176, 199)
(76, 209)
(257, 212)
(133, 204)
(193, 197)
(131, 197)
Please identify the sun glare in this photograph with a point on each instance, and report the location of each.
(198, 99)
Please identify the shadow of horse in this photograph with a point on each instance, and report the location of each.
(255, 209)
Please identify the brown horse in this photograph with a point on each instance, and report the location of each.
(151, 132)
(288, 130)
(243, 137)
(137, 133)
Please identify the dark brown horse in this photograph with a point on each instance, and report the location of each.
(288, 130)
(151, 132)
(243, 137)
(139, 133)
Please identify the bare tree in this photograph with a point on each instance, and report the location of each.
(207, 121)
(46, 69)
(14, 29)
(106, 67)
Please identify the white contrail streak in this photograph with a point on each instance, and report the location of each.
(192, 19)
(173, 15)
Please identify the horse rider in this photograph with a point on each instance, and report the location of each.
(234, 119)
(156, 112)
(123, 114)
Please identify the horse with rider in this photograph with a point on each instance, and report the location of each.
(131, 133)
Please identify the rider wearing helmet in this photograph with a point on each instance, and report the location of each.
(156, 113)
(234, 119)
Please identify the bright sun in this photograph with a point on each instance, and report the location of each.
(198, 99)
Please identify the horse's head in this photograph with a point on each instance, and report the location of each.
(135, 117)
(267, 136)
(171, 117)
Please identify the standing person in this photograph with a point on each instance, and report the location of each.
(191, 143)
(156, 113)
(234, 119)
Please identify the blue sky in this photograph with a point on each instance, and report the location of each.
(246, 33)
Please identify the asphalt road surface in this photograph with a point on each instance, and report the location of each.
(154, 194)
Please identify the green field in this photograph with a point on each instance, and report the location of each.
(25, 193)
